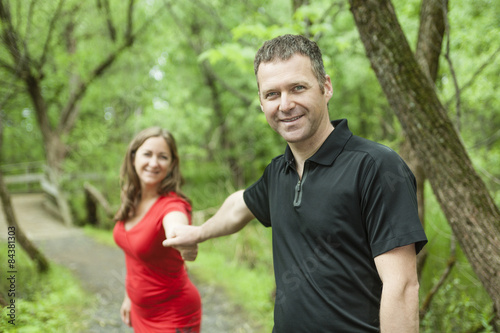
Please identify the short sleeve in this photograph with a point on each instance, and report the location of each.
(257, 199)
(389, 205)
(174, 203)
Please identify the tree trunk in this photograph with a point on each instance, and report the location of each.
(31, 72)
(37, 256)
(427, 53)
(430, 36)
(93, 198)
(463, 196)
(40, 260)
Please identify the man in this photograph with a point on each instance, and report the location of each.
(342, 209)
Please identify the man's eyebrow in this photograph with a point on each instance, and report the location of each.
(300, 83)
(267, 91)
(288, 86)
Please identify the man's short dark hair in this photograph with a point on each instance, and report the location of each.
(284, 47)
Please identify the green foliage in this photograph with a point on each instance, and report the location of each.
(50, 302)
(241, 264)
(191, 71)
(100, 235)
(455, 310)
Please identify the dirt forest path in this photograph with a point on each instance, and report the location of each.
(101, 271)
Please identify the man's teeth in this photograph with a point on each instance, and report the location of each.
(292, 119)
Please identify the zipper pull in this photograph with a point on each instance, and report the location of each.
(298, 194)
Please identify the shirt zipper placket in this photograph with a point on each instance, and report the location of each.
(297, 200)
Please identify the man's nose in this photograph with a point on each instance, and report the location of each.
(286, 103)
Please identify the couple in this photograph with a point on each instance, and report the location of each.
(343, 213)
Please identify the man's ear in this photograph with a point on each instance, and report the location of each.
(328, 87)
(261, 108)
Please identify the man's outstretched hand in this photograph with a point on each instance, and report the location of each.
(185, 239)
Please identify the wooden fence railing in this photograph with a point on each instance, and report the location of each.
(24, 177)
(35, 177)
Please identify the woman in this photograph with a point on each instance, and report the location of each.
(159, 297)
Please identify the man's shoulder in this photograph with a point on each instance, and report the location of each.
(378, 152)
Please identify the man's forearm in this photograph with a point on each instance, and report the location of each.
(399, 310)
(231, 217)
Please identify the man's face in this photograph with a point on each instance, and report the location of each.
(291, 99)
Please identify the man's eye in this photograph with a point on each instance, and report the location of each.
(271, 94)
(297, 88)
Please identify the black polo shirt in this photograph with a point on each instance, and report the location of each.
(356, 200)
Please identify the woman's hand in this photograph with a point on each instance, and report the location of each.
(125, 310)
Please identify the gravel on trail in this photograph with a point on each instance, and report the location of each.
(100, 268)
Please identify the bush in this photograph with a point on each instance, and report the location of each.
(49, 302)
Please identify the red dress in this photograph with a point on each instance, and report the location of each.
(162, 296)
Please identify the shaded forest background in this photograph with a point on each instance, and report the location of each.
(79, 79)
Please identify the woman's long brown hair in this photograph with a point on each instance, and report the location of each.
(129, 180)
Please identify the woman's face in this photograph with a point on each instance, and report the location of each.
(153, 162)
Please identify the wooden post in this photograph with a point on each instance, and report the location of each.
(51, 186)
(94, 197)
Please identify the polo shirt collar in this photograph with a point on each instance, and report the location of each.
(330, 149)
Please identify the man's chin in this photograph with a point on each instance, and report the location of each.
(292, 138)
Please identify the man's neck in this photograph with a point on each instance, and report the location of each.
(302, 151)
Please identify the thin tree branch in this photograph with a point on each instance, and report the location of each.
(24, 53)
(19, 17)
(70, 111)
(326, 14)
(476, 74)
(7, 84)
(450, 64)
(23, 71)
(8, 67)
(213, 15)
(205, 64)
(247, 101)
(449, 266)
(31, 10)
(130, 12)
(488, 175)
(52, 24)
(109, 18)
(10, 36)
(487, 141)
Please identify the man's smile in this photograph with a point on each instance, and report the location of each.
(289, 120)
